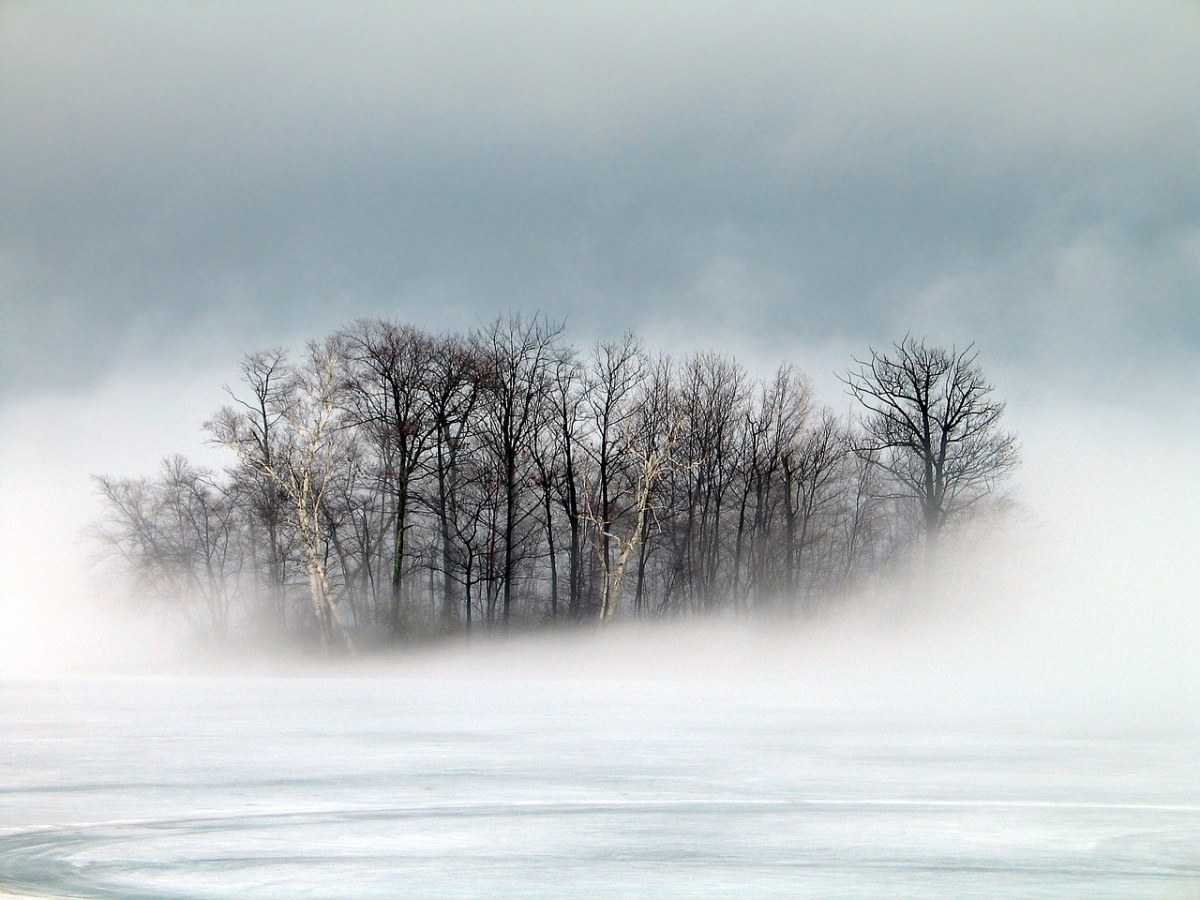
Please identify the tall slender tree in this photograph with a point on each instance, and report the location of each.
(389, 392)
(517, 357)
(304, 464)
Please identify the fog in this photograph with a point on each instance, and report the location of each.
(1082, 599)
(785, 183)
(1030, 728)
(182, 184)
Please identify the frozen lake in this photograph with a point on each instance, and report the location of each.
(407, 786)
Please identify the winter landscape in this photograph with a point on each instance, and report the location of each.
(599, 450)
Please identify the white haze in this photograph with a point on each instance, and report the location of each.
(1084, 603)
(181, 183)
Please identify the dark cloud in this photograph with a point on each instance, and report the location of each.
(208, 178)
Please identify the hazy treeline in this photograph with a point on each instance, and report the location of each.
(389, 483)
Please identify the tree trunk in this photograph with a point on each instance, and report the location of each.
(397, 581)
(510, 527)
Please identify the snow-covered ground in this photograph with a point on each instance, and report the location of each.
(1030, 729)
(415, 785)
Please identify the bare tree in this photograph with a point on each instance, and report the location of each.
(265, 376)
(177, 535)
(932, 423)
(518, 354)
(565, 464)
(810, 469)
(770, 436)
(304, 462)
(610, 399)
(454, 379)
(389, 394)
(648, 436)
(350, 513)
(713, 393)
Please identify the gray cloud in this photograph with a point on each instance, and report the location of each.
(211, 178)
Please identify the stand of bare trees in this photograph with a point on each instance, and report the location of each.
(390, 483)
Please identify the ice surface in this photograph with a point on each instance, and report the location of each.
(419, 786)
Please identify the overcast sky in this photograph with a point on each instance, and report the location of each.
(183, 182)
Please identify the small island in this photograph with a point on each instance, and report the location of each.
(388, 484)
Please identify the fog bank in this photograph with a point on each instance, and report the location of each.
(1083, 602)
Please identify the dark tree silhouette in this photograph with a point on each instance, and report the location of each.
(932, 423)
